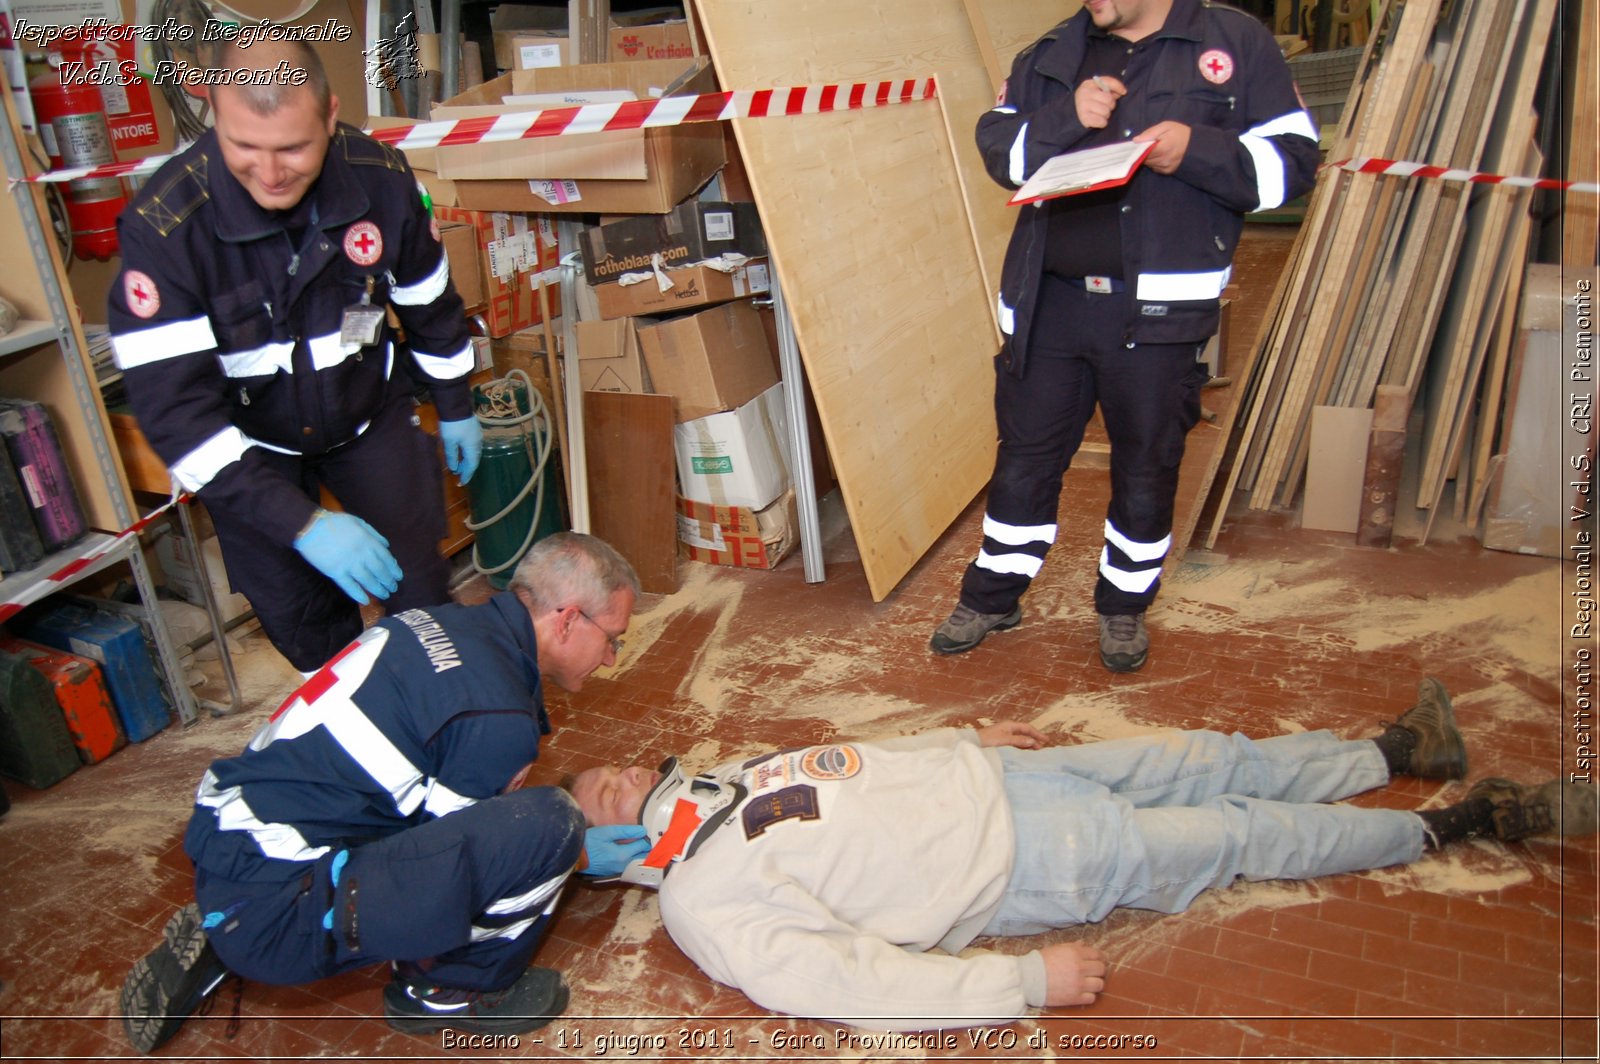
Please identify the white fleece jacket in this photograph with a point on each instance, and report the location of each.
(823, 895)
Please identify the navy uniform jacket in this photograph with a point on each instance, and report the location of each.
(228, 330)
(424, 714)
(1252, 147)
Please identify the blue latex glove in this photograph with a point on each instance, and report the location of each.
(613, 847)
(463, 446)
(352, 554)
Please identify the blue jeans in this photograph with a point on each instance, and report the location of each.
(1149, 823)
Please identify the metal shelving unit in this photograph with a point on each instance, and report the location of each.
(64, 333)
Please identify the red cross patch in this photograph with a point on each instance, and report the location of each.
(1216, 66)
(363, 244)
(141, 294)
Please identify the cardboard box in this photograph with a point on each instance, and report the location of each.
(540, 48)
(619, 155)
(735, 535)
(693, 286)
(662, 40)
(708, 362)
(609, 358)
(509, 21)
(525, 351)
(460, 242)
(177, 559)
(690, 232)
(738, 457)
(678, 159)
(514, 251)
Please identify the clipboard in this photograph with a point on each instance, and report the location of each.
(1089, 170)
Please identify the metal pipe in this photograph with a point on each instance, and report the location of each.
(794, 394)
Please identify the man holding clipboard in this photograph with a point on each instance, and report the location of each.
(1153, 127)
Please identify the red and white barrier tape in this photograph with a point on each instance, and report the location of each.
(1396, 168)
(88, 555)
(604, 117)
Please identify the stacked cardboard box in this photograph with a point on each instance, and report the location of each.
(730, 442)
(646, 171)
(511, 252)
(698, 254)
(609, 359)
(655, 40)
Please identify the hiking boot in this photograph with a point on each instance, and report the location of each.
(1439, 752)
(168, 984)
(1552, 808)
(966, 628)
(532, 1001)
(1124, 644)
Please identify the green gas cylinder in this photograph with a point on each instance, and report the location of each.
(515, 497)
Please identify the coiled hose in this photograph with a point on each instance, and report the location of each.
(504, 414)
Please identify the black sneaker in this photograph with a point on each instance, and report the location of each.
(965, 629)
(1124, 644)
(1439, 753)
(1555, 807)
(529, 1003)
(169, 984)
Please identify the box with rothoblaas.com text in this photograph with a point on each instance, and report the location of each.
(691, 232)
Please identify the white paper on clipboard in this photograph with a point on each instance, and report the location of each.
(1083, 171)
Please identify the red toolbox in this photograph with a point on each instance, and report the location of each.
(80, 691)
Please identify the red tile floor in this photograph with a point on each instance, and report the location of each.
(1483, 953)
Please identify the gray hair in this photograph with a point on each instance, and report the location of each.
(240, 53)
(571, 568)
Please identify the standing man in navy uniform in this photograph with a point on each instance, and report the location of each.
(1109, 297)
(249, 322)
(379, 815)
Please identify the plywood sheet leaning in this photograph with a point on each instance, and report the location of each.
(869, 237)
(1494, 386)
(1328, 240)
(1480, 62)
(963, 95)
(1581, 221)
(1325, 344)
(1496, 225)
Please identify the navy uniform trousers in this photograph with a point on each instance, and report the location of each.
(463, 900)
(1149, 397)
(390, 477)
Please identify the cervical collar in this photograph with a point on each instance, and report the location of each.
(678, 814)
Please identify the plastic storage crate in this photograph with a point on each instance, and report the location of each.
(117, 645)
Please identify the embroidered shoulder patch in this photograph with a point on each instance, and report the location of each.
(140, 291)
(792, 803)
(831, 763)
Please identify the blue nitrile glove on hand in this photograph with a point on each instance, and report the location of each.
(613, 847)
(351, 553)
(463, 446)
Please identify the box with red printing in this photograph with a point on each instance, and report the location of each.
(515, 250)
(735, 535)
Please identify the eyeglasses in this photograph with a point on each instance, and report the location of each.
(615, 640)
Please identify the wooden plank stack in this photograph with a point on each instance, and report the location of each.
(1402, 288)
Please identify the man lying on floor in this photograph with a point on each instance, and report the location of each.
(818, 881)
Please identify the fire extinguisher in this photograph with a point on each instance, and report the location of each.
(72, 123)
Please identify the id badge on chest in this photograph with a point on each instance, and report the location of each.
(362, 321)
